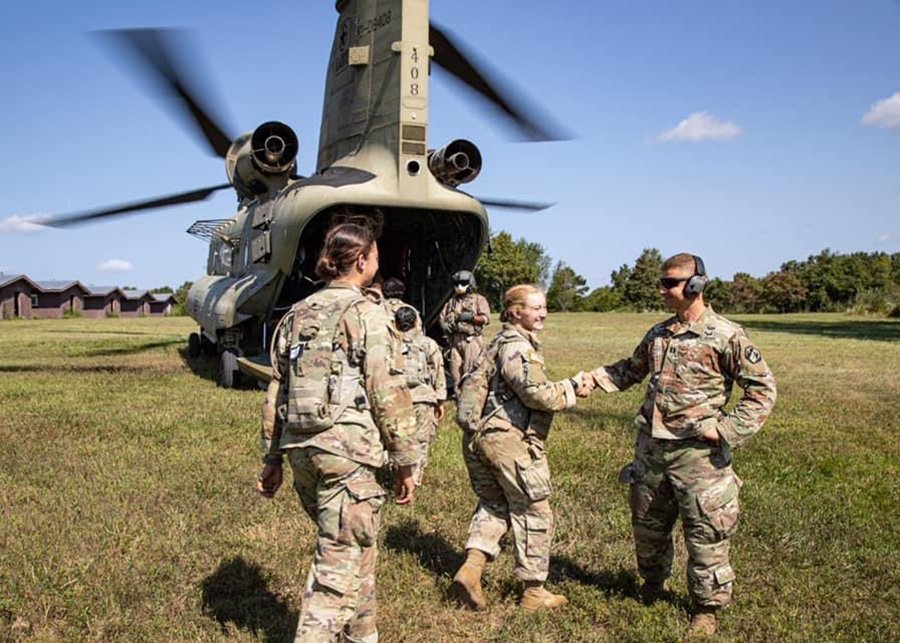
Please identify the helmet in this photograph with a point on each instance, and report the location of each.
(463, 278)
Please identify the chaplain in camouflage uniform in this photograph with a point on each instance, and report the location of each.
(682, 463)
(507, 461)
(423, 364)
(334, 470)
(462, 320)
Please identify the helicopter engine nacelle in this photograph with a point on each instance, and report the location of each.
(263, 160)
(459, 161)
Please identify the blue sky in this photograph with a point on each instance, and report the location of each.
(750, 133)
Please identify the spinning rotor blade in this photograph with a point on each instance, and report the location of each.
(515, 205)
(158, 55)
(150, 204)
(449, 57)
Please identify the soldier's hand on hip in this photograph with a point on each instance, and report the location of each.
(439, 412)
(269, 480)
(404, 485)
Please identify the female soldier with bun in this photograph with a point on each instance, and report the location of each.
(506, 458)
(333, 408)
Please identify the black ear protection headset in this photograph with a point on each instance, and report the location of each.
(698, 281)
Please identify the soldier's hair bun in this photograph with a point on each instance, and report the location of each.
(405, 318)
(343, 244)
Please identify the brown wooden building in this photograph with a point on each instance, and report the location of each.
(103, 301)
(161, 304)
(135, 303)
(56, 298)
(16, 295)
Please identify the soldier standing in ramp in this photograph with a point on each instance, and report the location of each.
(333, 407)
(463, 319)
(682, 462)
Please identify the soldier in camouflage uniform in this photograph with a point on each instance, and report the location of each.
(507, 461)
(463, 319)
(424, 368)
(682, 463)
(334, 469)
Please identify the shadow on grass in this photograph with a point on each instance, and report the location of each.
(202, 366)
(619, 583)
(432, 550)
(129, 350)
(237, 593)
(70, 368)
(884, 331)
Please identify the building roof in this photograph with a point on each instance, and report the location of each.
(55, 285)
(166, 297)
(6, 280)
(102, 291)
(135, 294)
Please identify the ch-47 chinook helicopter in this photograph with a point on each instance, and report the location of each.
(373, 157)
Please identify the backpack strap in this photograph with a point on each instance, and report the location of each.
(344, 405)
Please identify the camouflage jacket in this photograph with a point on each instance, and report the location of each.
(692, 367)
(520, 388)
(383, 418)
(423, 364)
(472, 303)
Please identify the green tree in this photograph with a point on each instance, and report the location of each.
(180, 307)
(510, 263)
(746, 294)
(162, 290)
(641, 288)
(783, 292)
(567, 289)
(601, 300)
(718, 294)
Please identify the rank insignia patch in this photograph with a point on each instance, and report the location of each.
(752, 355)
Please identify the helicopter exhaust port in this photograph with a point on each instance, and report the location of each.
(274, 147)
(459, 161)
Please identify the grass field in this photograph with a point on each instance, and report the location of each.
(128, 511)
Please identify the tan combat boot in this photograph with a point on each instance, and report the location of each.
(536, 597)
(652, 591)
(466, 587)
(703, 623)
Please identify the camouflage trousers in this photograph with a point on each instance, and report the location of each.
(344, 500)
(464, 350)
(427, 432)
(691, 478)
(511, 478)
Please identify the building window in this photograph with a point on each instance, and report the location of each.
(34, 300)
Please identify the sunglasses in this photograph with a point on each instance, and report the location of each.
(670, 282)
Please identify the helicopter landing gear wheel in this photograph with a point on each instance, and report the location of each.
(193, 345)
(229, 375)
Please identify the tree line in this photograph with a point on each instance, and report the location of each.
(859, 282)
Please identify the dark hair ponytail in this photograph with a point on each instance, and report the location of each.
(343, 244)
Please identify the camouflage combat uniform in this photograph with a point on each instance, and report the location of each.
(466, 340)
(506, 459)
(692, 367)
(423, 364)
(334, 470)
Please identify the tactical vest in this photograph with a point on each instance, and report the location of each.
(323, 383)
(476, 387)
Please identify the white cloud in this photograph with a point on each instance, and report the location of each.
(701, 126)
(884, 113)
(888, 237)
(24, 225)
(115, 265)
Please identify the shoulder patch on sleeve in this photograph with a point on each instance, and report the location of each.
(753, 356)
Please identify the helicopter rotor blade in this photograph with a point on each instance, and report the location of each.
(159, 55)
(511, 204)
(449, 57)
(126, 208)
